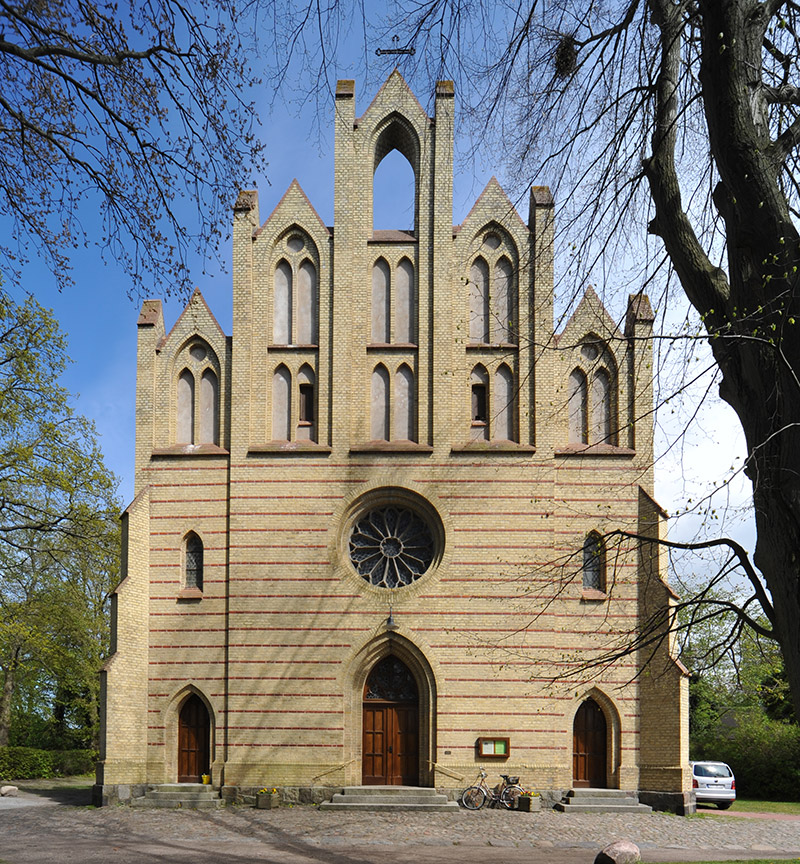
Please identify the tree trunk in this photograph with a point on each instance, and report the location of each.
(7, 694)
(749, 313)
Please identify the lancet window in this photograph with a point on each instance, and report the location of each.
(197, 395)
(592, 396)
(295, 312)
(394, 303)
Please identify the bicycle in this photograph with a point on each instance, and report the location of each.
(505, 793)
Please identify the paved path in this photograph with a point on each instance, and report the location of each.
(40, 827)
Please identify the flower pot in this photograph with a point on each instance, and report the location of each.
(529, 804)
(267, 800)
(205, 779)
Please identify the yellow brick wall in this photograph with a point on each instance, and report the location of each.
(281, 642)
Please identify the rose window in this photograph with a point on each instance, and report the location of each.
(391, 547)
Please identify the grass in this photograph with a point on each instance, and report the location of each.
(751, 805)
(748, 861)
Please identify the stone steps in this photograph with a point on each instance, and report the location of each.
(384, 798)
(187, 796)
(601, 801)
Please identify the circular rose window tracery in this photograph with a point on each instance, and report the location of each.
(391, 547)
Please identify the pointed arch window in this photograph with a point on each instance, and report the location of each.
(197, 395)
(184, 429)
(504, 398)
(295, 294)
(577, 407)
(306, 404)
(282, 312)
(379, 406)
(193, 562)
(493, 292)
(479, 302)
(405, 306)
(394, 303)
(404, 405)
(281, 404)
(394, 179)
(592, 396)
(594, 563)
(381, 302)
(209, 407)
(502, 302)
(493, 405)
(479, 409)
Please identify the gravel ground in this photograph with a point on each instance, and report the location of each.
(48, 823)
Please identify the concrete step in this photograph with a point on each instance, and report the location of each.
(601, 801)
(601, 808)
(384, 798)
(593, 792)
(175, 804)
(189, 796)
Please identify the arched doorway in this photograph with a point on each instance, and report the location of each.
(589, 746)
(193, 740)
(390, 741)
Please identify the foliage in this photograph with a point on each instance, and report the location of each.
(764, 754)
(58, 538)
(130, 108)
(27, 763)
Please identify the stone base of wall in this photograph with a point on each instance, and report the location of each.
(246, 795)
(682, 803)
(107, 794)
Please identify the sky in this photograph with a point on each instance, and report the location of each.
(100, 319)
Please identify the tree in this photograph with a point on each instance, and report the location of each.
(685, 116)
(58, 532)
(133, 107)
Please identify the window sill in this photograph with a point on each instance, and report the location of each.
(392, 346)
(190, 450)
(593, 595)
(493, 447)
(391, 447)
(288, 346)
(190, 594)
(289, 448)
(594, 450)
(492, 346)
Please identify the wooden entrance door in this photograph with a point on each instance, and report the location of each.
(390, 741)
(589, 743)
(193, 741)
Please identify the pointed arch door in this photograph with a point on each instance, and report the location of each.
(390, 739)
(589, 747)
(194, 739)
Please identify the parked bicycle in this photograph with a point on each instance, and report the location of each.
(505, 793)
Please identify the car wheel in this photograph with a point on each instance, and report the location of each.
(723, 805)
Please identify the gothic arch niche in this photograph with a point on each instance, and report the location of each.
(596, 741)
(493, 289)
(412, 666)
(592, 388)
(196, 396)
(395, 132)
(189, 727)
(295, 289)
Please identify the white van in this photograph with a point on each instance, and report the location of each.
(713, 783)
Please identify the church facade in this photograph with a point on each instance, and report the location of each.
(395, 527)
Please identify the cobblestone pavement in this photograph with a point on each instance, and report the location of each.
(47, 830)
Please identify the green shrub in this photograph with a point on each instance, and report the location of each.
(69, 762)
(25, 763)
(764, 755)
(28, 763)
